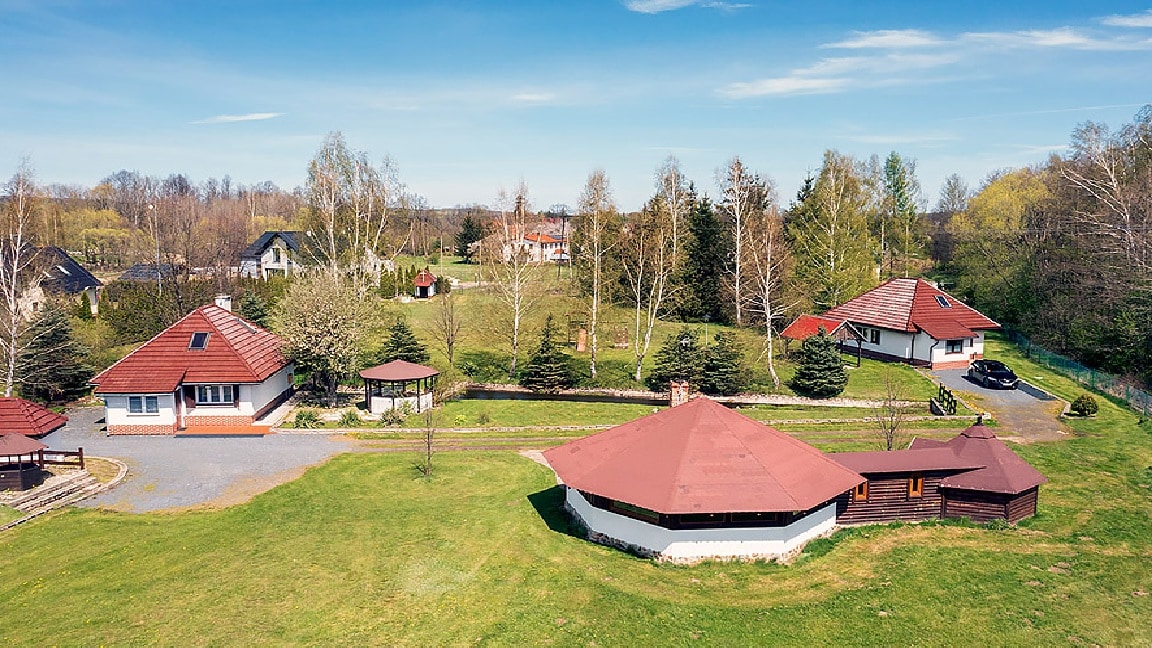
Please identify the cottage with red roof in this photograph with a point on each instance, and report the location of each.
(425, 284)
(907, 320)
(210, 373)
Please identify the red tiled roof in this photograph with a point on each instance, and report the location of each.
(912, 460)
(424, 279)
(1004, 471)
(237, 352)
(910, 305)
(701, 457)
(398, 370)
(12, 445)
(540, 238)
(806, 326)
(18, 416)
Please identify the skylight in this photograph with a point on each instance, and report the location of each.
(943, 301)
(199, 342)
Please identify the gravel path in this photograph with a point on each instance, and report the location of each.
(168, 472)
(1025, 414)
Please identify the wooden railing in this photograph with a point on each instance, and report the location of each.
(947, 400)
(63, 458)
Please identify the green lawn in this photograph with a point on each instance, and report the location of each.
(510, 413)
(8, 514)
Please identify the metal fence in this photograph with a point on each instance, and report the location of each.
(1138, 399)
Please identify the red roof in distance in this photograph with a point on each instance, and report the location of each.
(398, 370)
(12, 445)
(424, 279)
(806, 326)
(911, 305)
(237, 351)
(701, 457)
(18, 416)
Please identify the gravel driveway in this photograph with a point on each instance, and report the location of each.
(1025, 414)
(168, 472)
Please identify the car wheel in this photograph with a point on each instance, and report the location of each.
(984, 382)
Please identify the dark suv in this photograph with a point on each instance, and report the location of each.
(992, 373)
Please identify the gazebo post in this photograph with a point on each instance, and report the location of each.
(41, 460)
(367, 396)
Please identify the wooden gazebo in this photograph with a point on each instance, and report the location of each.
(394, 384)
(21, 462)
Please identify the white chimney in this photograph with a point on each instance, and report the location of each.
(225, 302)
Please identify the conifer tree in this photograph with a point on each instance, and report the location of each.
(706, 252)
(549, 369)
(403, 345)
(254, 309)
(679, 358)
(470, 232)
(820, 373)
(722, 373)
(53, 367)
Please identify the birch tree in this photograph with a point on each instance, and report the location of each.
(769, 261)
(742, 194)
(591, 243)
(648, 267)
(673, 189)
(16, 267)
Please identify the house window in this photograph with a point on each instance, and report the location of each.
(143, 405)
(870, 335)
(215, 395)
(763, 518)
(954, 346)
(275, 255)
(860, 493)
(199, 342)
(916, 486)
(943, 301)
(633, 511)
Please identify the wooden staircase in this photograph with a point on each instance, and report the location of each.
(40, 500)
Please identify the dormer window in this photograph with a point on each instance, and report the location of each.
(199, 342)
(943, 301)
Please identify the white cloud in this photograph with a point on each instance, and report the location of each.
(1065, 37)
(838, 74)
(887, 39)
(783, 86)
(229, 119)
(924, 138)
(534, 97)
(660, 6)
(1130, 20)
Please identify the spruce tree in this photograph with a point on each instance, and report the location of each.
(470, 232)
(549, 369)
(254, 309)
(679, 358)
(53, 368)
(723, 370)
(820, 373)
(403, 345)
(706, 252)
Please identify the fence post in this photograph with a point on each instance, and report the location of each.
(81, 451)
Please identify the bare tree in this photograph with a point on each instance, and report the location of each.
(648, 267)
(16, 257)
(447, 326)
(591, 243)
(741, 191)
(672, 187)
(892, 412)
(769, 260)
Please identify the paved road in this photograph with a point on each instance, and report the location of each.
(168, 472)
(1023, 414)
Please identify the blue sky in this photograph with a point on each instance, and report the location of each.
(471, 96)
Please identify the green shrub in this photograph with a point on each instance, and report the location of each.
(391, 418)
(350, 418)
(1085, 405)
(483, 418)
(306, 418)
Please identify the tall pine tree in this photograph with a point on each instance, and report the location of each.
(549, 369)
(706, 255)
(820, 373)
(679, 358)
(403, 345)
(53, 368)
(722, 373)
(470, 232)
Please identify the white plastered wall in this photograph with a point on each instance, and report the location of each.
(116, 411)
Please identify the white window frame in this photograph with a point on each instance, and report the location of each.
(144, 405)
(224, 395)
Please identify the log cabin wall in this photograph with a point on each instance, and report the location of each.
(888, 499)
(980, 506)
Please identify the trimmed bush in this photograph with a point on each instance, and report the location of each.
(1085, 405)
(306, 418)
(350, 418)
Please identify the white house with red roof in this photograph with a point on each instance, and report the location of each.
(210, 373)
(912, 321)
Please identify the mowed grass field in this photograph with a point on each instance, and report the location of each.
(362, 551)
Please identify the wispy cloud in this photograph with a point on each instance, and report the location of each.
(660, 6)
(887, 39)
(229, 119)
(783, 86)
(907, 138)
(1130, 20)
(534, 97)
(838, 74)
(1064, 37)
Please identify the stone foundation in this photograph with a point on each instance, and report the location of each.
(213, 420)
(142, 429)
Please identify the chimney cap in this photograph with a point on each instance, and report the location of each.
(224, 301)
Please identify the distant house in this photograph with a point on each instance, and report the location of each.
(210, 373)
(536, 247)
(144, 272)
(974, 475)
(424, 285)
(58, 275)
(909, 320)
(274, 254)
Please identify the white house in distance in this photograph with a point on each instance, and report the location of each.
(210, 373)
(271, 255)
(910, 320)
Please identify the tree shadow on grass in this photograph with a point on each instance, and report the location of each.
(549, 505)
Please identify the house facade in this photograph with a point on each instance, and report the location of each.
(272, 255)
(910, 320)
(210, 373)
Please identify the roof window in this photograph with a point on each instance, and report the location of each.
(199, 342)
(943, 301)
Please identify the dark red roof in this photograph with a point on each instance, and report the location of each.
(911, 305)
(18, 416)
(237, 351)
(18, 444)
(398, 370)
(424, 279)
(983, 462)
(701, 457)
(806, 326)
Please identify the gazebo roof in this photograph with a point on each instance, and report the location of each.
(18, 416)
(398, 370)
(12, 445)
(701, 457)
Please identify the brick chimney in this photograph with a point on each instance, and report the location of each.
(679, 392)
(225, 302)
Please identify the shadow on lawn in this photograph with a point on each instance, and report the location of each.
(549, 505)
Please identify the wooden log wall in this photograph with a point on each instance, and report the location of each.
(888, 499)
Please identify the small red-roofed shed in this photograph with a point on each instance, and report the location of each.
(18, 416)
(424, 284)
(21, 462)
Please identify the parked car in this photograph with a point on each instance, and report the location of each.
(992, 373)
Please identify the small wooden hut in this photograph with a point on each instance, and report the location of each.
(21, 462)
